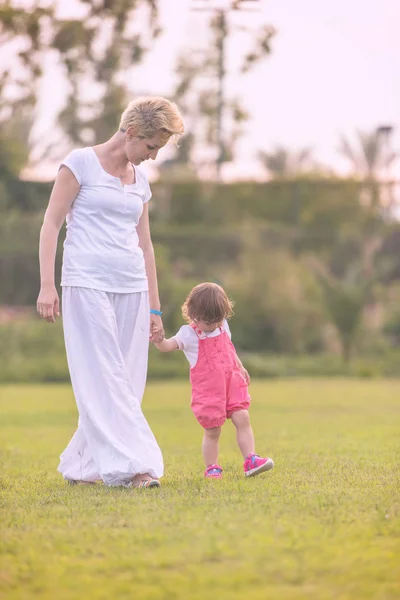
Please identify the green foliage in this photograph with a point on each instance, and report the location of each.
(199, 252)
(19, 264)
(33, 351)
(391, 327)
(25, 196)
(22, 40)
(257, 240)
(344, 302)
(290, 534)
(215, 119)
(284, 366)
(14, 154)
(93, 51)
(346, 297)
(185, 202)
(277, 306)
(319, 208)
(124, 46)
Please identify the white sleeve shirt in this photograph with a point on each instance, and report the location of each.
(188, 340)
(101, 249)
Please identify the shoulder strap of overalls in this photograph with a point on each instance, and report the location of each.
(196, 329)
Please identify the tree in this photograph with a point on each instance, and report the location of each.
(367, 155)
(277, 306)
(15, 147)
(93, 52)
(215, 119)
(346, 296)
(21, 35)
(100, 51)
(179, 166)
(344, 302)
(282, 162)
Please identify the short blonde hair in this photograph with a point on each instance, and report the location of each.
(149, 115)
(207, 302)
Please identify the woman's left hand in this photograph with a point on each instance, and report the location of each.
(156, 329)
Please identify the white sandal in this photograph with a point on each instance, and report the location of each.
(145, 483)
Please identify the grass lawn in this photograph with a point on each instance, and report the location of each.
(324, 524)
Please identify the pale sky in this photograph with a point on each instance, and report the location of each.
(334, 69)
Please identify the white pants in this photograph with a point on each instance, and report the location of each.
(107, 341)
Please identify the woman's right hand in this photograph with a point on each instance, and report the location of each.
(48, 303)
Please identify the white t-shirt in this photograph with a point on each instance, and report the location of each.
(101, 249)
(188, 340)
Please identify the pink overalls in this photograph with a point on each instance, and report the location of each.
(218, 387)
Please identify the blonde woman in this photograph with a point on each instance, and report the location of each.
(110, 300)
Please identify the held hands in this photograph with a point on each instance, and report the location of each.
(156, 329)
(48, 303)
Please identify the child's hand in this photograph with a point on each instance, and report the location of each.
(245, 375)
(156, 329)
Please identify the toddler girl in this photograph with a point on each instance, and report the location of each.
(218, 378)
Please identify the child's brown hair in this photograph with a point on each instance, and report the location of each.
(207, 302)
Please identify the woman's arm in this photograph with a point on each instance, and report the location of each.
(64, 192)
(143, 231)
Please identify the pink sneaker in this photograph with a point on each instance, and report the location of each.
(213, 472)
(255, 464)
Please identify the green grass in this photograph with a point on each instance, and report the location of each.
(325, 524)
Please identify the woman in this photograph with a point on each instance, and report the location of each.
(110, 295)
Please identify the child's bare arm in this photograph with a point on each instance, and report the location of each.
(243, 371)
(167, 345)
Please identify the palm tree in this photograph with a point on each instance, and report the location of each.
(367, 155)
(344, 301)
(346, 297)
(282, 162)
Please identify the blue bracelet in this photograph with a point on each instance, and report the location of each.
(153, 311)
